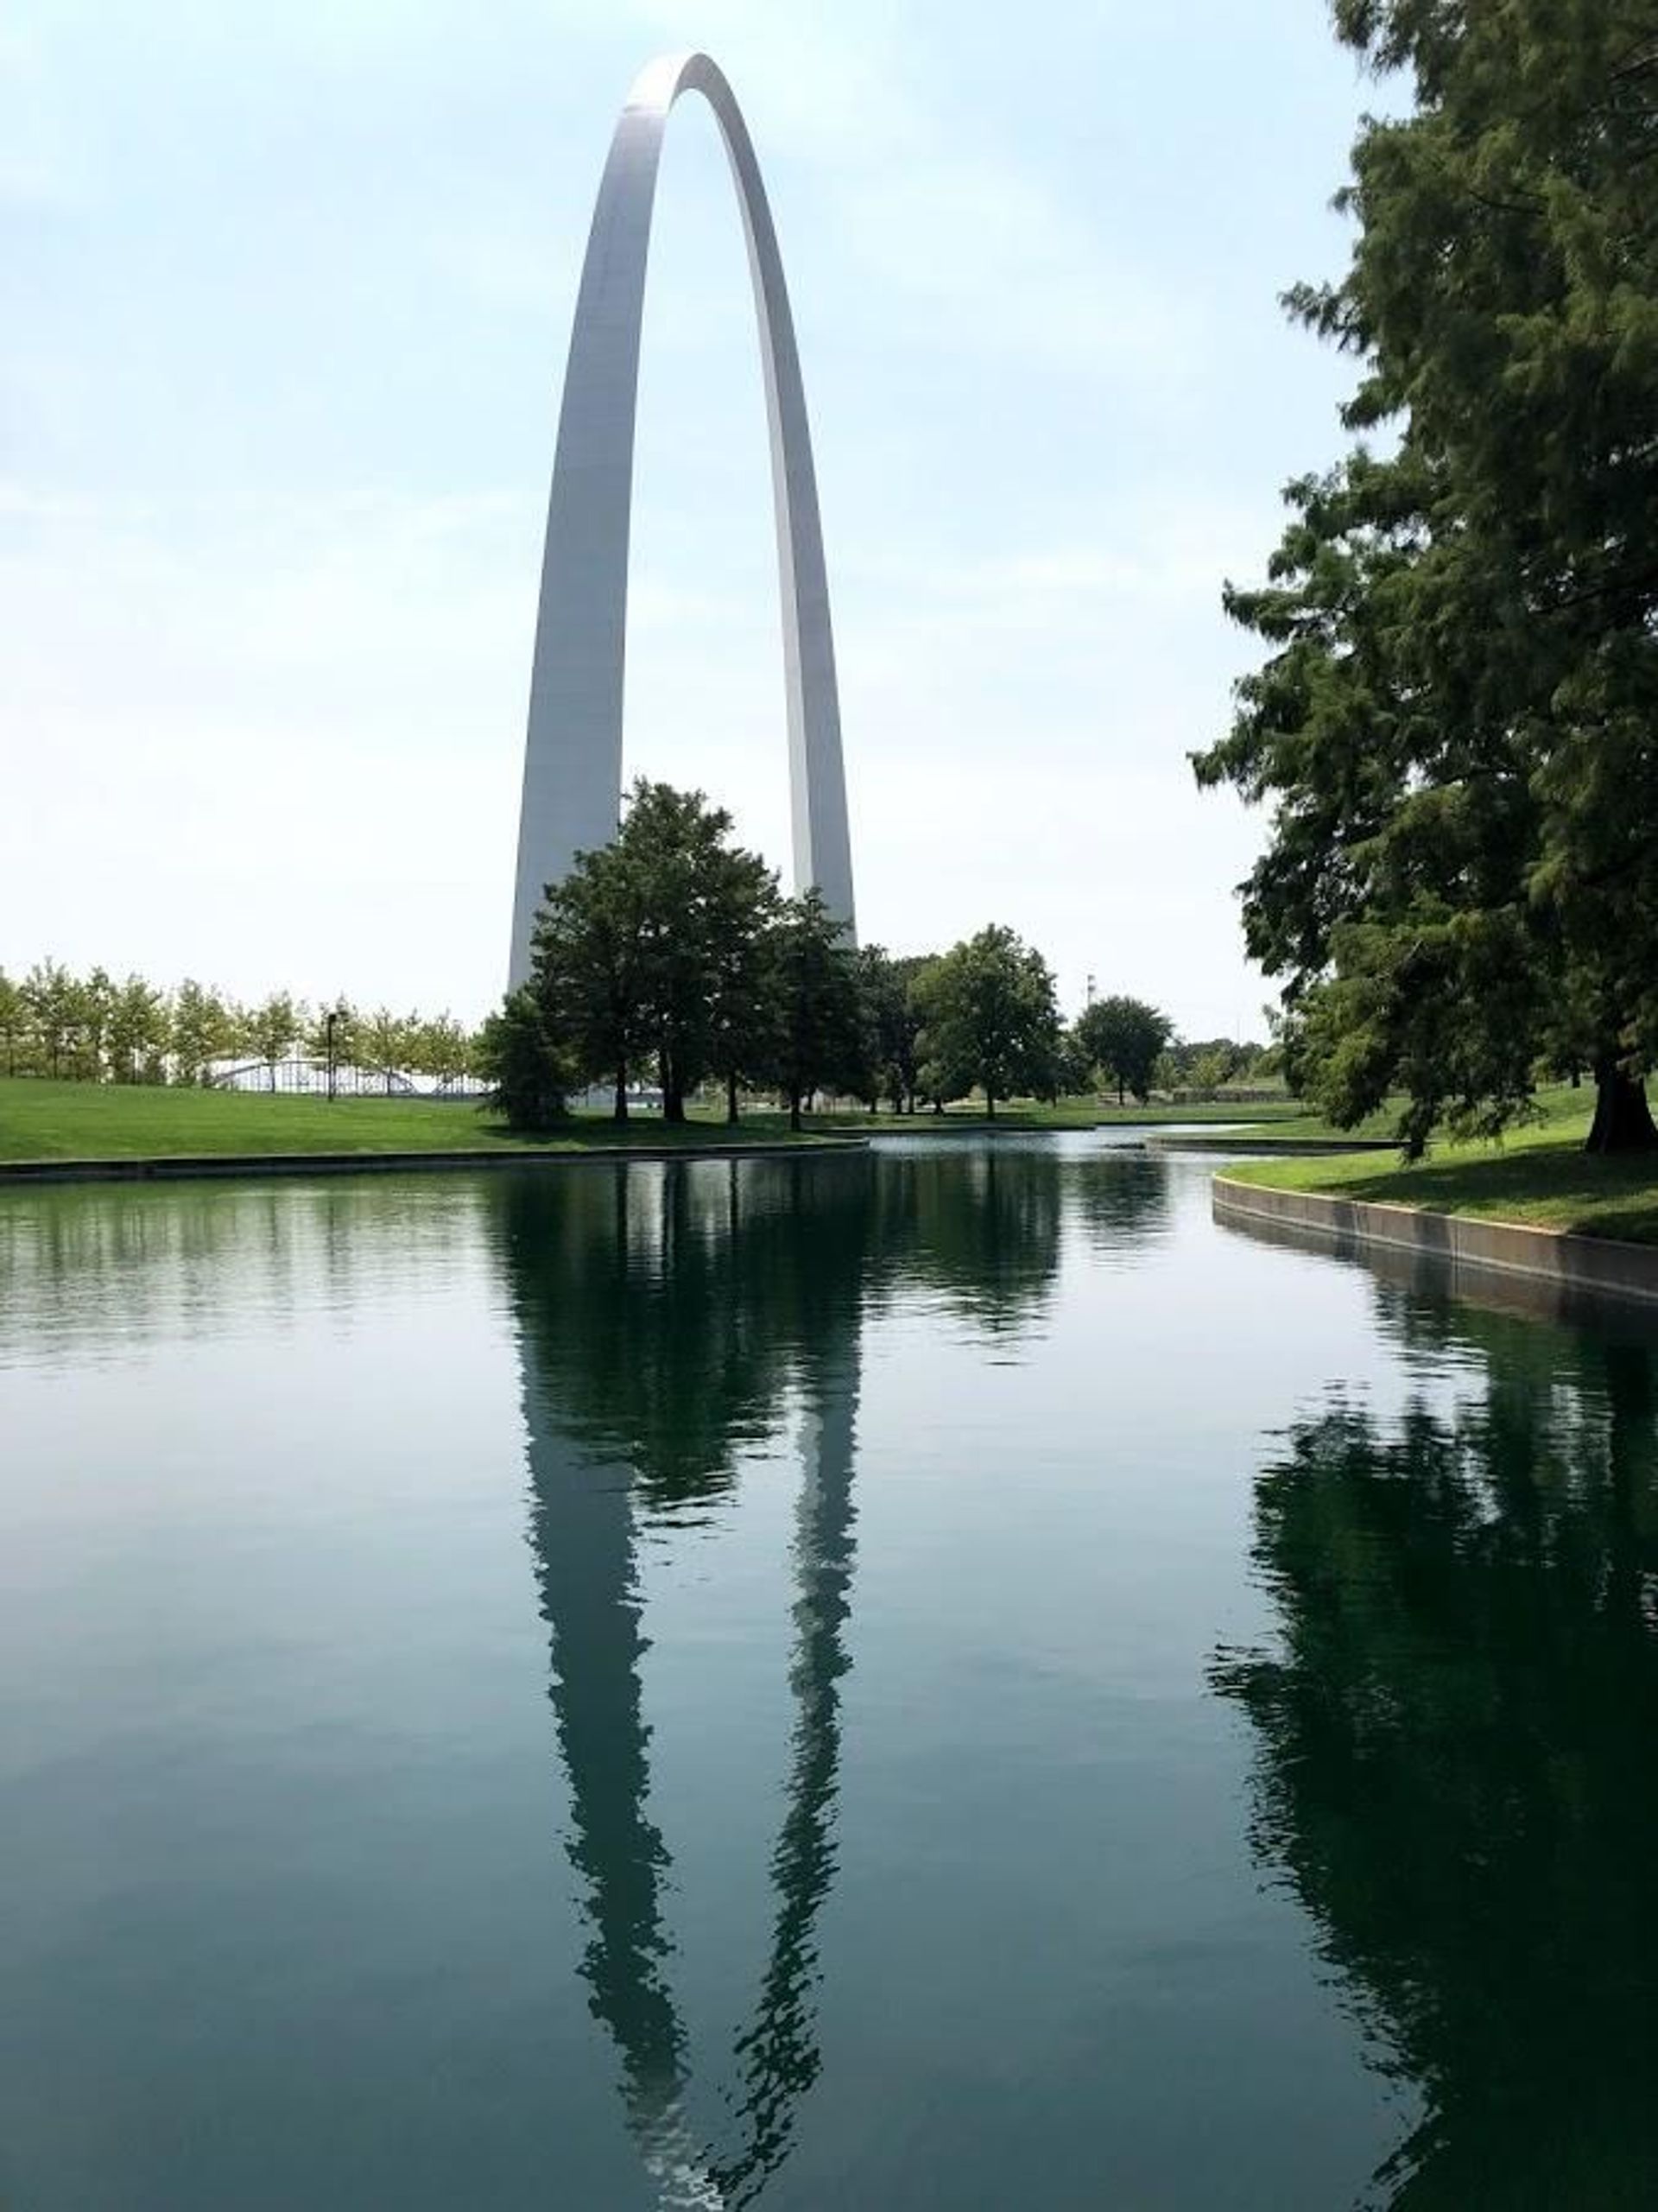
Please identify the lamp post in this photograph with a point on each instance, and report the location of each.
(331, 1021)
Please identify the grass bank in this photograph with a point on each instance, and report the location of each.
(1069, 1113)
(42, 1121)
(1538, 1176)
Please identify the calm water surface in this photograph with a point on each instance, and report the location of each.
(936, 1679)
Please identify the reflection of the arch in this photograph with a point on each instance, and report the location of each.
(1455, 1742)
(789, 1330)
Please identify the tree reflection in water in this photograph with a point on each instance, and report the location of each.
(665, 1320)
(669, 1319)
(1458, 1757)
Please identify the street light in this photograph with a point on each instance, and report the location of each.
(331, 1021)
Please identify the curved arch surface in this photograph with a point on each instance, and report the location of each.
(573, 751)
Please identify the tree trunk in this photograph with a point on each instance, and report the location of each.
(794, 1109)
(1119, 1091)
(1622, 1120)
(619, 1110)
(731, 1098)
(990, 1104)
(673, 1085)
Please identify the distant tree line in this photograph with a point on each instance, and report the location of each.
(672, 956)
(94, 1029)
(669, 959)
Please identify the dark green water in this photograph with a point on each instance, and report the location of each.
(940, 1680)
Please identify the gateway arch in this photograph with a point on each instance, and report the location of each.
(573, 751)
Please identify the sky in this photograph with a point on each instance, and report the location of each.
(287, 294)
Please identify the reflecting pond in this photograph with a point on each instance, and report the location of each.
(931, 1677)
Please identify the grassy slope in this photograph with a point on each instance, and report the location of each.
(87, 1121)
(1070, 1114)
(1539, 1175)
(90, 1121)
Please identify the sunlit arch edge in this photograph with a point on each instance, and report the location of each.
(573, 751)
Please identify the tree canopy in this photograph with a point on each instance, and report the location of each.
(91, 1028)
(989, 1020)
(1456, 724)
(673, 948)
(816, 1025)
(526, 1071)
(1124, 1038)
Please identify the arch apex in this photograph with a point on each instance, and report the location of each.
(573, 751)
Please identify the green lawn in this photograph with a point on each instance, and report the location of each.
(92, 1121)
(1539, 1175)
(1069, 1113)
(42, 1120)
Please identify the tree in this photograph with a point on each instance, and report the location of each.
(139, 1029)
(704, 903)
(649, 948)
(1455, 723)
(443, 1048)
(383, 1036)
(818, 1033)
(1123, 1037)
(587, 967)
(892, 1024)
(740, 907)
(203, 1030)
(1076, 1069)
(272, 1027)
(521, 1060)
(14, 1019)
(92, 1000)
(988, 1019)
(48, 992)
(330, 1034)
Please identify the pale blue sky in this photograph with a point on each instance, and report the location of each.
(287, 294)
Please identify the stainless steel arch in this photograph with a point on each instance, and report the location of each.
(573, 751)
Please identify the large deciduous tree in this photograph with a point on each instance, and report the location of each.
(1123, 1038)
(1457, 721)
(892, 1024)
(817, 1019)
(989, 1020)
(588, 957)
(523, 1063)
(741, 904)
(648, 949)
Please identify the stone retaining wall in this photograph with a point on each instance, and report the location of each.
(1350, 1225)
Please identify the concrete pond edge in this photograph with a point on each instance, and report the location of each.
(1603, 1266)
